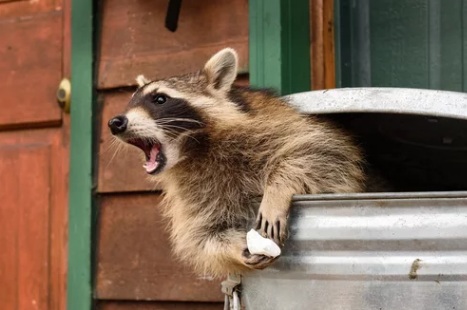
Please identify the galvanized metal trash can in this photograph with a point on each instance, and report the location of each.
(404, 250)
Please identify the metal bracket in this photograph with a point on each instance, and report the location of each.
(230, 289)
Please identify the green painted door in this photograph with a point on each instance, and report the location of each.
(402, 43)
(280, 45)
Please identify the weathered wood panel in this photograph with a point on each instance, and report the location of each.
(34, 189)
(30, 68)
(135, 41)
(9, 193)
(16, 8)
(109, 305)
(134, 257)
(24, 226)
(30, 185)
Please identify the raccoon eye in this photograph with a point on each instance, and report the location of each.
(160, 99)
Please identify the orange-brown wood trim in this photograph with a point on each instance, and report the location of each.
(317, 58)
(328, 44)
(322, 44)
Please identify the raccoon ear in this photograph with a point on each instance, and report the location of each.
(142, 80)
(221, 69)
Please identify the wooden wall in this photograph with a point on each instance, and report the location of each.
(135, 268)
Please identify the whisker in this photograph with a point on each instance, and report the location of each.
(171, 133)
(185, 134)
(177, 118)
(174, 126)
(111, 144)
(118, 146)
(170, 120)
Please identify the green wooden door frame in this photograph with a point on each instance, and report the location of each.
(280, 45)
(81, 191)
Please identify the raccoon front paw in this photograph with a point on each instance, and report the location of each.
(257, 261)
(272, 224)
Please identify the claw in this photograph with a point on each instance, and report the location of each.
(275, 229)
(259, 221)
(278, 232)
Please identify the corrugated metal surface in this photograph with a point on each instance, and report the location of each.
(369, 251)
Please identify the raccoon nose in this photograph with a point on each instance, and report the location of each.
(118, 124)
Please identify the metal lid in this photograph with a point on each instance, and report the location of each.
(382, 100)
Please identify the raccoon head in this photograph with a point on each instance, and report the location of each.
(162, 115)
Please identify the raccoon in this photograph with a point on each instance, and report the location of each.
(216, 147)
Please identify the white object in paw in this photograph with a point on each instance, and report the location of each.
(257, 244)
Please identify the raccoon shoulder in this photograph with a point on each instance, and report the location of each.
(253, 101)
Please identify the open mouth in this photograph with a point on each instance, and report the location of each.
(155, 159)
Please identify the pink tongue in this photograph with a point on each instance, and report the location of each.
(151, 165)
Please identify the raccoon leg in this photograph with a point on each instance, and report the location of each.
(274, 210)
